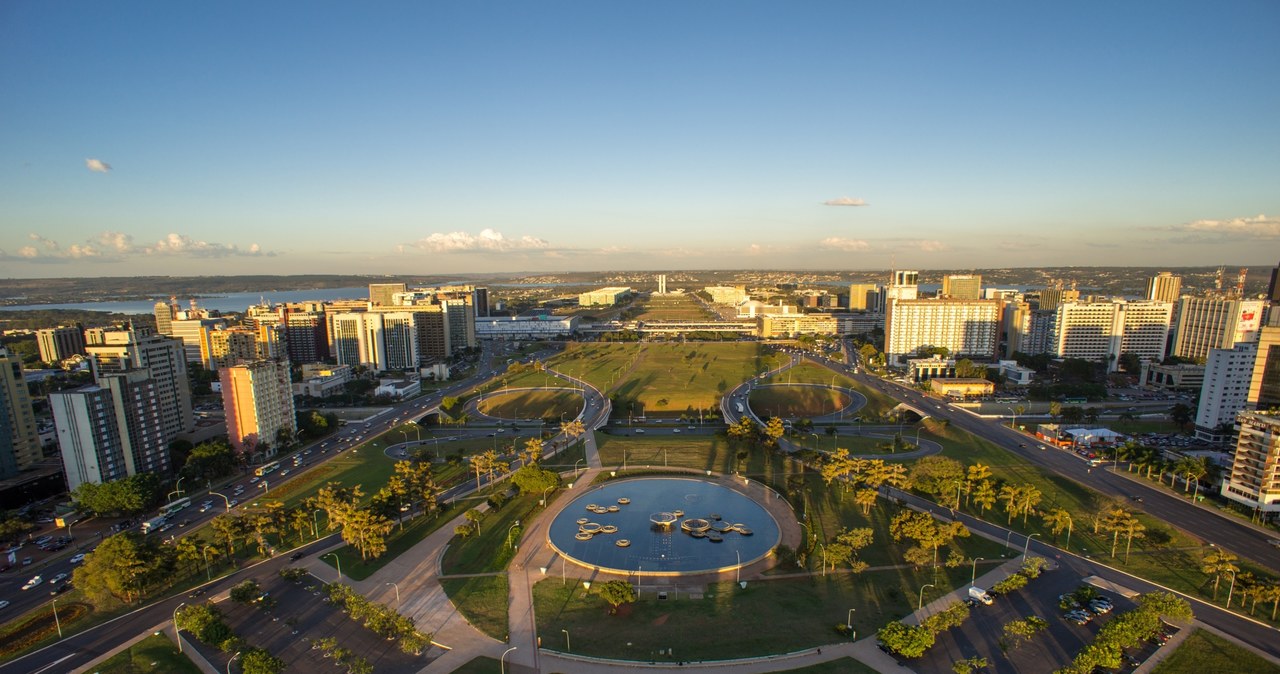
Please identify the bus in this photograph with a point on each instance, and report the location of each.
(267, 468)
(171, 508)
(152, 524)
(1075, 401)
(739, 406)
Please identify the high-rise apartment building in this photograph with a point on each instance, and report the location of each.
(382, 294)
(166, 312)
(662, 284)
(88, 435)
(135, 397)
(967, 328)
(1206, 323)
(1050, 299)
(304, 335)
(1255, 469)
(165, 360)
(1273, 288)
(19, 439)
(864, 297)
(192, 332)
(1017, 327)
(378, 340)
(1264, 384)
(58, 344)
(1103, 331)
(962, 286)
(1164, 287)
(222, 347)
(1225, 391)
(258, 400)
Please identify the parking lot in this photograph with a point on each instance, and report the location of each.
(1048, 651)
(299, 615)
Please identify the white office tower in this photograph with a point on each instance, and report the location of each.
(662, 284)
(1255, 471)
(1225, 391)
(1214, 323)
(904, 285)
(967, 328)
(1164, 287)
(1102, 331)
(166, 363)
(378, 340)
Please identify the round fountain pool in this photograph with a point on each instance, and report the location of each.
(663, 527)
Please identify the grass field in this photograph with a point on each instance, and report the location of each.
(1206, 652)
(768, 617)
(480, 665)
(156, 653)
(482, 600)
(791, 402)
(493, 547)
(673, 308)
(532, 405)
(658, 379)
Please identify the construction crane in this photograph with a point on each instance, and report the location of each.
(1244, 271)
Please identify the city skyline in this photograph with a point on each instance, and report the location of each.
(241, 139)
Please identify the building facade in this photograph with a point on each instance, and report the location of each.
(1102, 331)
(19, 437)
(1255, 469)
(383, 294)
(606, 297)
(962, 287)
(525, 327)
(257, 398)
(1225, 391)
(1164, 287)
(58, 344)
(1264, 384)
(966, 328)
(1206, 323)
(163, 358)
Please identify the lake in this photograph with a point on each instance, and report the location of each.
(236, 302)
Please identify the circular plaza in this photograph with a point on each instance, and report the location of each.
(663, 526)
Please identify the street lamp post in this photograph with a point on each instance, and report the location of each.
(575, 468)
(849, 621)
(510, 529)
(1006, 539)
(502, 662)
(920, 602)
(544, 494)
(1027, 545)
(337, 561)
(233, 659)
(315, 524)
(567, 648)
(397, 587)
(58, 623)
(973, 578)
(225, 500)
(207, 575)
(176, 629)
(1232, 588)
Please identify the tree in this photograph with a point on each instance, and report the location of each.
(773, 430)
(246, 592)
(865, 498)
(1181, 414)
(130, 495)
(1129, 362)
(531, 479)
(938, 475)
(969, 665)
(209, 460)
(974, 474)
(367, 531)
(1021, 631)
(119, 567)
(1059, 519)
(204, 621)
(260, 661)
(474, 516)
(909, 641)
(617, 593)
(1217, 563)
(985, 495)
(228, 529)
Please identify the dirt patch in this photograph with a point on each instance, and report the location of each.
(660, 620)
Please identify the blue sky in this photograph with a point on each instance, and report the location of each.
(430, 137)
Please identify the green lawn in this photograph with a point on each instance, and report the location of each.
(480, 665)
(156, 653)
(533, 405)
(492, 548)
(400, 540)
(1206, 652)
(808, 372)
(768, 617)
(661, 379)
(790, 402)
(672, 308)
(482, 600)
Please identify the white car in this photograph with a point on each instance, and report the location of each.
(254, 479)
(78, 558)
(33, 582)
(4, 603)
(57, 579)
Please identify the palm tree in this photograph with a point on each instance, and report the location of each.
(1059, 519)
(1216, 563)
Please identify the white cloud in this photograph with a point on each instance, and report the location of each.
(181, 244)
(117, 241)
(847, 245)
(488, 240)
(1257, 227)
(49, 244)
(97, 166)
(28, 251)
(931, 246)
(845, 201)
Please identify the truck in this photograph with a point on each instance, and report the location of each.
(153, 524)
(980, 594)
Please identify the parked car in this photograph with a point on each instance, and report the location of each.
(1078, 617)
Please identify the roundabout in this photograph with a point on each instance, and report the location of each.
(649, 534)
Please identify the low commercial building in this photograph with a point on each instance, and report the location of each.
(525, 327)
(607, 297)
(321, 381)
(924, 369)
(962, 387)
(791, 325)
(1182, 377)
(1015, 374)
(728, 295)
(398, 389)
